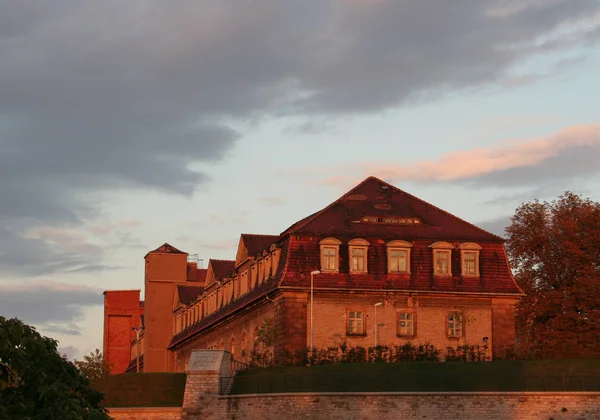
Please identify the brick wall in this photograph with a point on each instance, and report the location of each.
(221, 338)
(430, 312)
(143, 413)
(121, 313)
(373, 406)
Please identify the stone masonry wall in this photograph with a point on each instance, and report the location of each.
(373, 406)
(143, 413)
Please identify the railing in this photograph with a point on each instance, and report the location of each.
(409, 382)
(226, 382)
(237, 366)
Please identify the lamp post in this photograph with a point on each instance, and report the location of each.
(137, 347)
(312, 279)
(376, 325)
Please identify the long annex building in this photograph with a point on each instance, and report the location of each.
(382, 266)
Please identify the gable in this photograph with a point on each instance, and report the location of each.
(166, 249)
(242, 253)
(377, 209)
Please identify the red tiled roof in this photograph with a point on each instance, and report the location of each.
(166, 249)
(254, 295)
(195, 274)
(187, 294)
(374, 197)
(255, 244)
(222, 268)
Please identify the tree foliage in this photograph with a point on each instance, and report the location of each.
(37, 383)
(93, 366)
(554, 249)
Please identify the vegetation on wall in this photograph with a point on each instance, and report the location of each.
(36, 382)
(554, 250)
(142, 389)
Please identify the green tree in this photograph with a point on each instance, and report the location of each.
(93, 366)
(554, 250)
(37, 383)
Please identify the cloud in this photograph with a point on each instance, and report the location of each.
(70, 351)
(104, 96)
(53, 307)
(272, 201)
(572, 152)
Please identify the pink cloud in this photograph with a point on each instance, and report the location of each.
(466, 164)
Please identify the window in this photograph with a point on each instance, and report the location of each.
(469, 256)
(454, 325)
(399, 256)
(355, 323)
(330, 248)
(442, 263)
(406, 324)
(358, 249)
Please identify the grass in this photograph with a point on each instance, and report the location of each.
(142, 389)
(513, 375)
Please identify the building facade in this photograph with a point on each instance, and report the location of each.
(377, 266)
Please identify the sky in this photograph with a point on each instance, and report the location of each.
(125, 125)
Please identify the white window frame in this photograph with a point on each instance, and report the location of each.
(355, 245)
(438, 249)
(465, 249)
(398, 246)
(457, 329)
(411, 319)
(330, 244)
(362, 317)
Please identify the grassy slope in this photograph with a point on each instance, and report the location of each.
(543, 375)
(142, 389)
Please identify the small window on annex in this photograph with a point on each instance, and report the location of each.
(442, 258)
(358, 250)
(469, 258)
(330, 251)
(406, 324)
(454, 325)
(355, 324)
(398, 253)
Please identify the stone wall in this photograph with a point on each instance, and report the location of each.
(372, 406)
(143, 413)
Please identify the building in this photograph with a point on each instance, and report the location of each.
(381, 265)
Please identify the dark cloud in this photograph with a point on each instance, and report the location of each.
(52, 307)
(100, 96)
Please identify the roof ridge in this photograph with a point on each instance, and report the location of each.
(307, 220)
(312, 217)
(258, 234)
(447, 213)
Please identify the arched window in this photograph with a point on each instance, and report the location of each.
(244, 346)
(469, 259)
(232, 347)
(358, 252)
(330, 251)
(442, 258)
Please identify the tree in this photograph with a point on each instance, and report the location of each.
(554, 250)
(93, 366)
(37, 383)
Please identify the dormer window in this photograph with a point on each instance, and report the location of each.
(330, 251)
(469, 259)
(398, 253)
(442, 262)
(358, 250)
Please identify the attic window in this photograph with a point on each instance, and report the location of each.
(390, 220)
